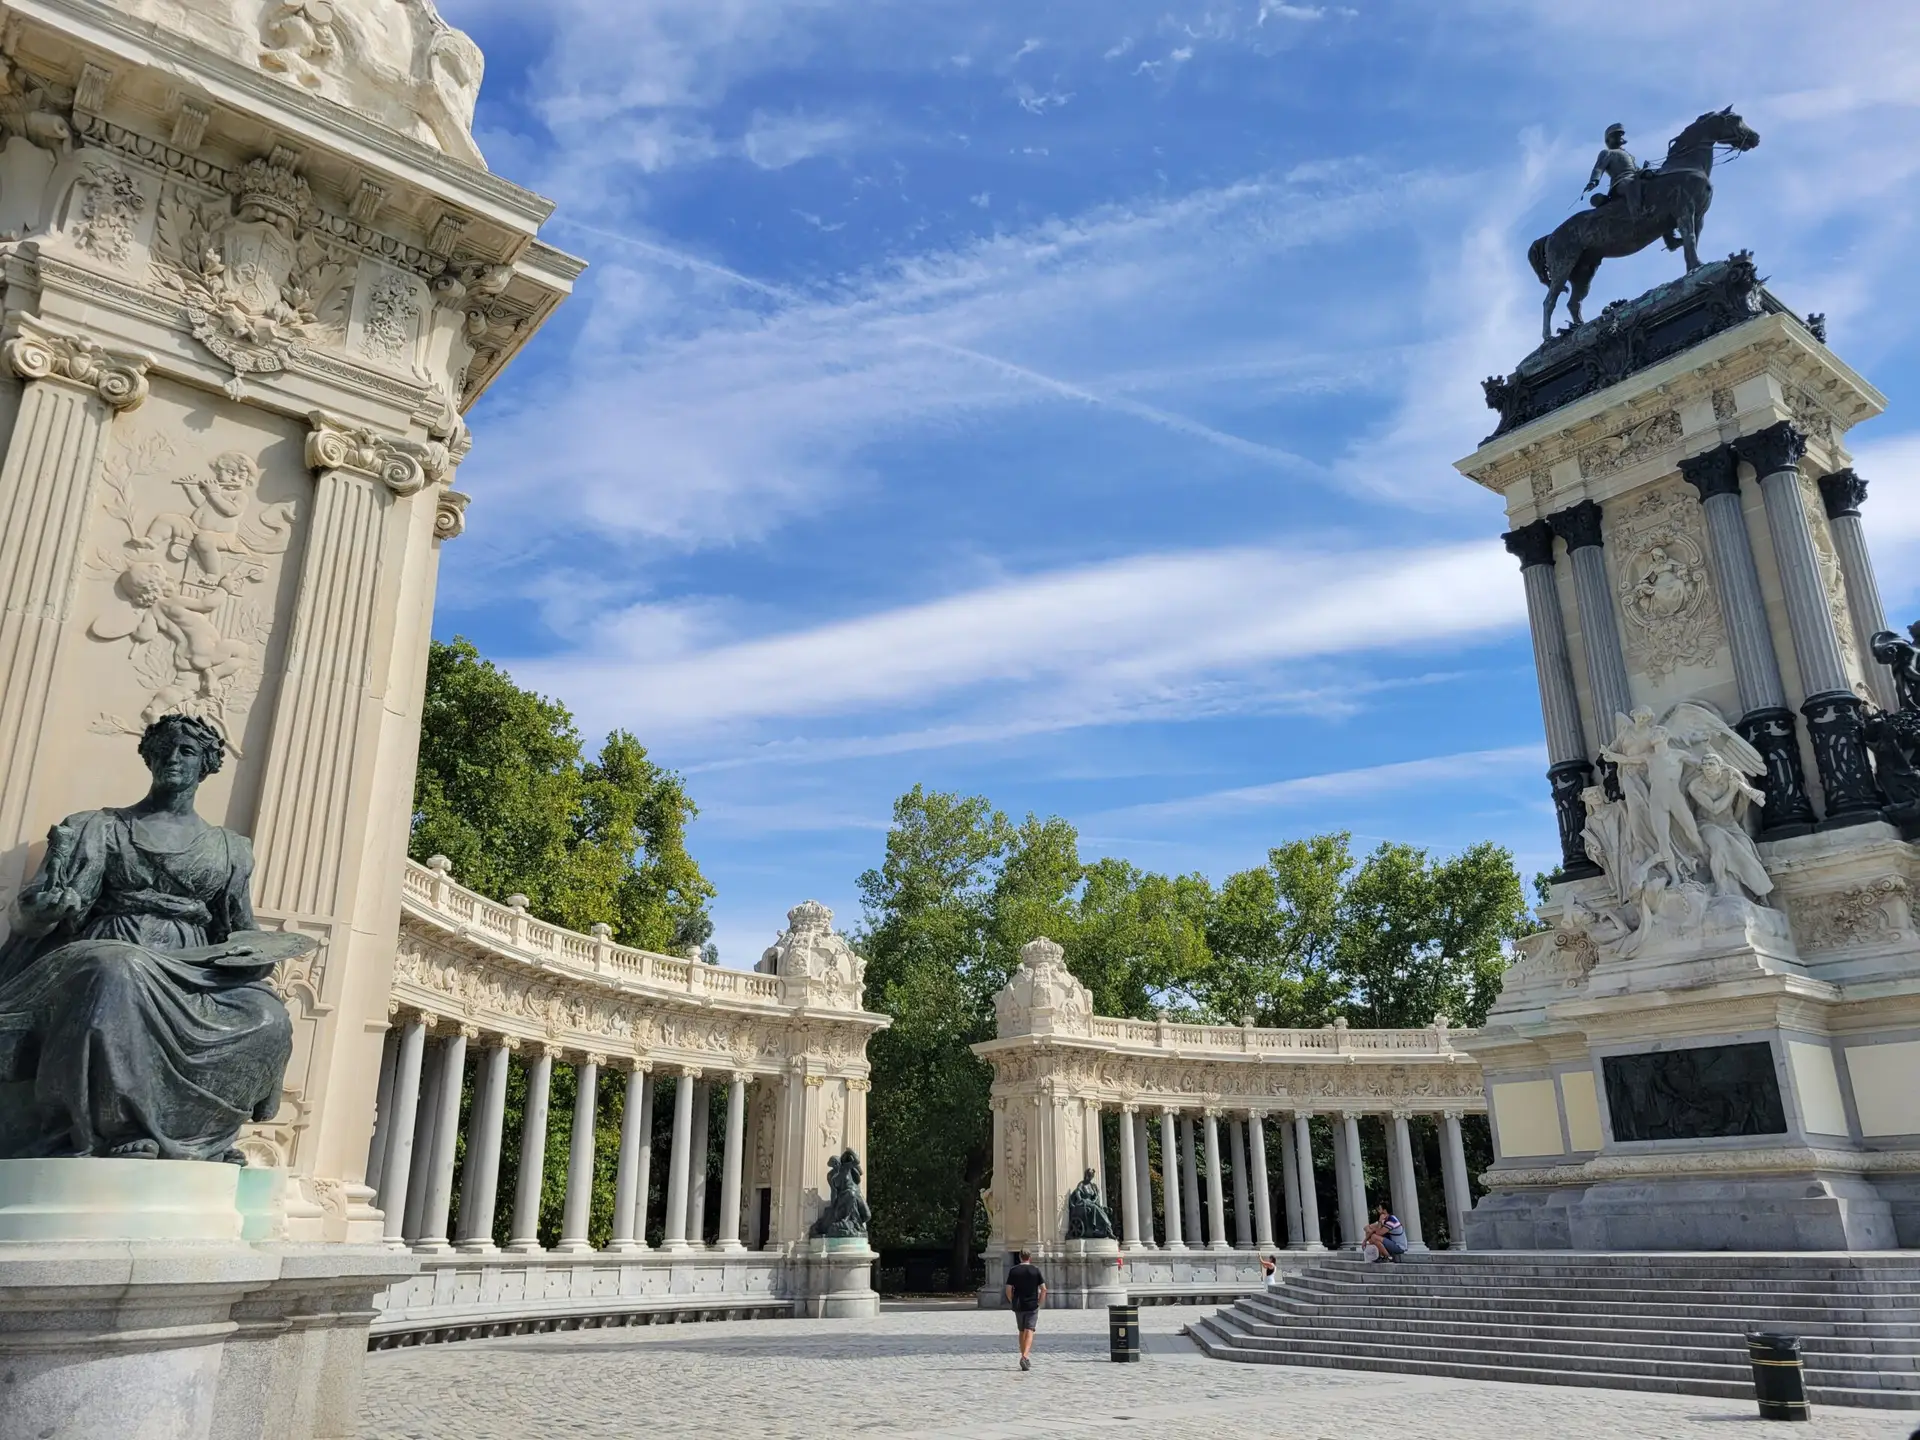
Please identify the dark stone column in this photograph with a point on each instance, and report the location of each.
(1579, 527)
(1765, 722)
(1834, 713)
(1844, 492)
(1568, 771)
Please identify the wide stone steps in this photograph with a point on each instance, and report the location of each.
(1675, 1324)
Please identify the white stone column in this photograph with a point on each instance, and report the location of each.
(728, 1237)
(1353, 1187)
(636, 1134)
(678, 1163)
(1453, 1175)
(533, 1155)
(1143, 1179)
(1190, 1183)
(1216, 1198)
(424, 1129)
(398, 1169)
(1129, 1187)
(1309, 1238)
(446, 1135)
(1170, 1179)
(1406, 1194)
(383, 1110)
(1257, 1176)
(48, 483)
(580, 1146)
(1843, 492)
(1242, 1211)
(697, 1159)
(481, 1179)
(1295, 1238)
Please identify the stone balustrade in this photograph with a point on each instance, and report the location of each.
(480, 987)
(1065, 1078)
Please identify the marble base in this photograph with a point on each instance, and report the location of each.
(1085, 1278)
(834, 1279)
(138, 1336)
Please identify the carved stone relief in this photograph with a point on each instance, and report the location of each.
(188, 584)
(1810, 415)
(109, 208)
(1833, 580)
(392, 320)
(1665, 589)
(1632, 445)
(1723, 407)
(1873, 914)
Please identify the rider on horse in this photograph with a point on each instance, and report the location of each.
(1617, 167)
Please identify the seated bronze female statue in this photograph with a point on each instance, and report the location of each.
(135, 1015)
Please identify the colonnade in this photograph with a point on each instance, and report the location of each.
(1194, 1145)
(411, 1162)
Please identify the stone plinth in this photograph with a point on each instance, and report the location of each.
(159, 1321)
(834, 1279)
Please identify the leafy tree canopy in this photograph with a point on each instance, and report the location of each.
(504, 792)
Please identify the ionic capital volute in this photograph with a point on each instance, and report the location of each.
(470, 1033)
(599, 1062)
(35, 352)
(402, 465)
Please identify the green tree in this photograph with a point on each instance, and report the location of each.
(503, 791)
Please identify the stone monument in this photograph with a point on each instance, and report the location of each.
(256, 272)
(1715, 1041)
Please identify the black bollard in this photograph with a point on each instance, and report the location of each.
(1779, 1382)
(1123, 1333)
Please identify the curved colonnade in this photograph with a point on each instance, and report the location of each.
(480, 989)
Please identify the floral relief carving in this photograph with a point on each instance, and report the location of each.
(1016, 1158)
(833, 1119)
(110, 208)
(1631, 446)
(186, 586)
(392, 319)
(1873, 914)
(257, 285)
(1723, 407)
(1664, 586)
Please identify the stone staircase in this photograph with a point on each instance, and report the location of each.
(1670, 1322)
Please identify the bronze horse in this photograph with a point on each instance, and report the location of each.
(1664, 204)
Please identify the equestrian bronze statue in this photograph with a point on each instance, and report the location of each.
(1641, 205)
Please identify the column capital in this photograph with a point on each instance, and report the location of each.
(742, 1077)
(599, 1062)
(552, 1052)
(1843, 492)
(428, 1019)
(509, 1043)
(401, 464)
(1776, 448)
(640, 1065)
(1402, 1114)
(1531, 544)
(38, 352)
(1578, 525)
(1452, 1114)
(450, 514)
(470, 1032)
(1170, 1111)
(1353, 1115)
(1712, 472)
(1254, 1112)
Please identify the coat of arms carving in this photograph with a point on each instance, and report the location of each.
(1665, 587)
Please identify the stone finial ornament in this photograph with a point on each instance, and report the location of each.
(1043, 996)
(810, 950)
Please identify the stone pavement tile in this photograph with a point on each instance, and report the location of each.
(944, 1373)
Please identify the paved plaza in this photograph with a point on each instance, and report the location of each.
(941, 1371)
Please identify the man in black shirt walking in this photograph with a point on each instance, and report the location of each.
(1026, 1293)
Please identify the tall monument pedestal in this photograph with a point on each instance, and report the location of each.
(1715, 1043)
(156, 1318)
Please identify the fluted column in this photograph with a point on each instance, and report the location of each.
(1242, 1202)
(1257, 1177)
(525, 1239)
(697, 1161)
(1406, 1194)
(1143, 1178)
(1190, 1183)
(383, 1110)
(636, 1141)
(1453, 1177)
(1309, 1190)
(47, 488)
(1170, 1179)
(446, 1134)
(1765, 721)
(678, 1163)
(426, 1128)
(1216, 1198)
(1568, 769)
(580, 1147)
(1129, 1187)
(1834, 713)
(481, 1179)
(728, 1236)
(1579, 527)
(1843, 493)
(1353, 1181)
(398, 1168)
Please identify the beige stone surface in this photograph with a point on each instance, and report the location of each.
(949, 1372)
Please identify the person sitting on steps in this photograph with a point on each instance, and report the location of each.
(1386, 1237)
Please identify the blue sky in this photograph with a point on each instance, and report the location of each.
(1058, 401)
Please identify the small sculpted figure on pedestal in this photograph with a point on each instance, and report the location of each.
(135, 1016)
(1087, 1218)
(846, 1214)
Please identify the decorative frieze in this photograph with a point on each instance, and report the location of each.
(1859, 917)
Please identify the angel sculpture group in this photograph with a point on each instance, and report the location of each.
(1677, 835)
